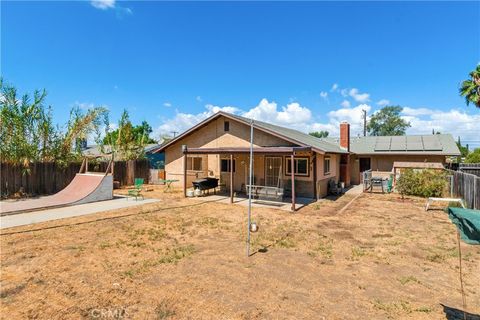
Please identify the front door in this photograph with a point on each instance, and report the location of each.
(273, 171)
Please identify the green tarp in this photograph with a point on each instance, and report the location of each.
(467, 222)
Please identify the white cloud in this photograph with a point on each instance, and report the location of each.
(417, 111)
(456, 122)
(383, 102)
(293, 114)
(183, 121)
(296, 116)
(334, 87)
(103, 4)
(344, 92)
(84, 105)
(198, 98)
(324, 94)
(111, 4)
(167, 104)
(345, 104)
(359, 97)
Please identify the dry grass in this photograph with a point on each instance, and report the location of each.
(381, 258)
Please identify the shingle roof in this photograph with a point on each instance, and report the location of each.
(438, 144)
(292, 134)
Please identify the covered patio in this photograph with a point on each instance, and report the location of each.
(274, 181)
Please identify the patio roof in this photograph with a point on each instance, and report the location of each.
(285, 150)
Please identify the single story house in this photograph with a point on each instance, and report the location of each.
(299, 163)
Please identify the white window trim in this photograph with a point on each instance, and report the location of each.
(327, 173)
(296, 166)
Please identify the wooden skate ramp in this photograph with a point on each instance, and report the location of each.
(84, 188)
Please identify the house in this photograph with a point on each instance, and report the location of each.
(156, 159)
(284, 158)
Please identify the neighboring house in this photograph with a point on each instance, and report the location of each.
(157, 160)
(206, 150)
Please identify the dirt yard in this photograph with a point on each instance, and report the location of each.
(381, 258)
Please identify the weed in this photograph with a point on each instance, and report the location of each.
(104, 245)
(357, 252)
(176, 254)
(392, 307)
(155, 234)
(424, 309)
(436, 257)
(164, 310)
(208, 222)
(405, 280)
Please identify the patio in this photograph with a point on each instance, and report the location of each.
(242, 200)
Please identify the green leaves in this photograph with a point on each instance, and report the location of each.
(470, 89)
(319, 134)
(387, 122)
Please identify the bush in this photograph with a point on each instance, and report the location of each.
(423, 183)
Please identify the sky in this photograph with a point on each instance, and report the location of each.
(304, 65)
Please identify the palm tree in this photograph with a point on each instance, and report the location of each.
(470, 88)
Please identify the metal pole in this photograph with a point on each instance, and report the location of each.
(250, 182)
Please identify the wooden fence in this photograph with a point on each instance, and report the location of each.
(467, 187)
(472, 168)
(43, 178)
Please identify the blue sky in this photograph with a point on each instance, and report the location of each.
(305, 65)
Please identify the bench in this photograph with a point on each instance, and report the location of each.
(432, 199)
(266, 191)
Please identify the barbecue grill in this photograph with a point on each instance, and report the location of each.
(205, 183)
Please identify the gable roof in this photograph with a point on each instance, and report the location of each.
(291, 135)
(438, 144)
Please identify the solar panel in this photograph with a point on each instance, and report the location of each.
(382, 144)
(399, 143)
(414, 143)
(431, 143)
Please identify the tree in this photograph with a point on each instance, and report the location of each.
(463, 150)
(128, 141)
(473, 157)
(319, 134)
(140, 131)
(387, 122)
(470, 89)
(27, 132)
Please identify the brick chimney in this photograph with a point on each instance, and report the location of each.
(345, 135)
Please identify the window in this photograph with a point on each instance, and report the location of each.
(194, 163)
(226, 126)
(301, 166)
(225, 165)
(326, 165)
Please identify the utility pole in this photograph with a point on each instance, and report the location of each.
(364, 122)
(174, 133)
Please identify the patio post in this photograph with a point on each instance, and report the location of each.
(231, 178)
(184, 149)
(292, 171)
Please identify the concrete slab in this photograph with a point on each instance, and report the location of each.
(22, 219)
(243, 201)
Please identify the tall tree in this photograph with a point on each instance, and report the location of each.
(319, 134)
(27, 132)
(470, 88)
(128, 141)
(387, 122)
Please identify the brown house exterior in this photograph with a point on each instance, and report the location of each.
(206, 150)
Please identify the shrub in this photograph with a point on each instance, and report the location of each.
(423, 183)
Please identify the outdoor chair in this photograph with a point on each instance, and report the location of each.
(137, 189)
(333, 188)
